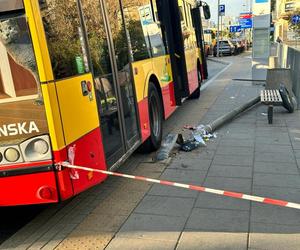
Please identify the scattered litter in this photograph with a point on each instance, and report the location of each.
(199, 137)
(264, 114)
(232, 97)
(189, 127)
(190, 145)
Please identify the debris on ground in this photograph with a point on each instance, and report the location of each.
(166, 147)
(198, 138)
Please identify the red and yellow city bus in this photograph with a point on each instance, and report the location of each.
(88, 82)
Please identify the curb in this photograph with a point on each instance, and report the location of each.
(218, 61)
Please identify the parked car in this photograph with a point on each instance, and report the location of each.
(239, 48)
(225, 48)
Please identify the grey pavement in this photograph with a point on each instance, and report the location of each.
(248, 156)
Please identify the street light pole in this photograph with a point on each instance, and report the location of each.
(218, 29)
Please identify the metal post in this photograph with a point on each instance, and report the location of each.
(221, 27)
(218, 29)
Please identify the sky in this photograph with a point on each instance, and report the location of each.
(232, 7)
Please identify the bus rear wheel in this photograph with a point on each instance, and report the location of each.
(156, 118)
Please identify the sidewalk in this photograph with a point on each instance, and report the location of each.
(249, 156)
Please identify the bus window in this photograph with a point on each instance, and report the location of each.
(160, 27)
(137, 17)
(103, 76)
(63, 32)
(181, 13)
(154, 31)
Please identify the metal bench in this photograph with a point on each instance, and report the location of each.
(270, 97)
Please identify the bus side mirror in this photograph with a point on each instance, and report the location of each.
(206, 11)
(205, 6)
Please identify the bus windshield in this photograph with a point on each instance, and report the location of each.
(22, 113)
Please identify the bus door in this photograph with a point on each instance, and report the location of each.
(109, 59)
(197, 23)
(170, 16)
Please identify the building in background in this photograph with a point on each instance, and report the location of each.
(282, 11)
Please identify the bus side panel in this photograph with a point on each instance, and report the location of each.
(80, 119)
(64, 184)
(88, 152)
(162, 69)
(141, 74)
(191, 61)
(25, 189)
(144, 118)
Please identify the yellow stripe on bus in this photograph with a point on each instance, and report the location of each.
(79, 113)
(39, 40)
(53, 116)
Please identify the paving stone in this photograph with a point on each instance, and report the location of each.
(59, 237)
(238, 136)
(263, 213)
(111, 207)
(236, 143)
(79, 240)
(270, 148)
(200, 153)
(207, 200)
(212, 241)
(268, 241)
(155, 227)
(272, 140)
(280, 193)
(210, 220)
(163, 205)
(242, 185)
(296, 145)
(277, 122)
(195, 177)
(235, 151)
(140, 244)
(102, 223)
(274, 157)
(190, 164)
(172, 191)
(275, 168)
(230, 171)
(237, 160)
(265, 131)
(297, 153)
(276, 180)
(272, 228)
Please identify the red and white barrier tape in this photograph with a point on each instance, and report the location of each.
(236, 195)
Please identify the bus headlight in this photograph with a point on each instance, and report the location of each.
(11, 155)
(40, 146)
(36, 149)
(1, 157)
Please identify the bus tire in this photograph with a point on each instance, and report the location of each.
(156, 119)
(196, 94)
